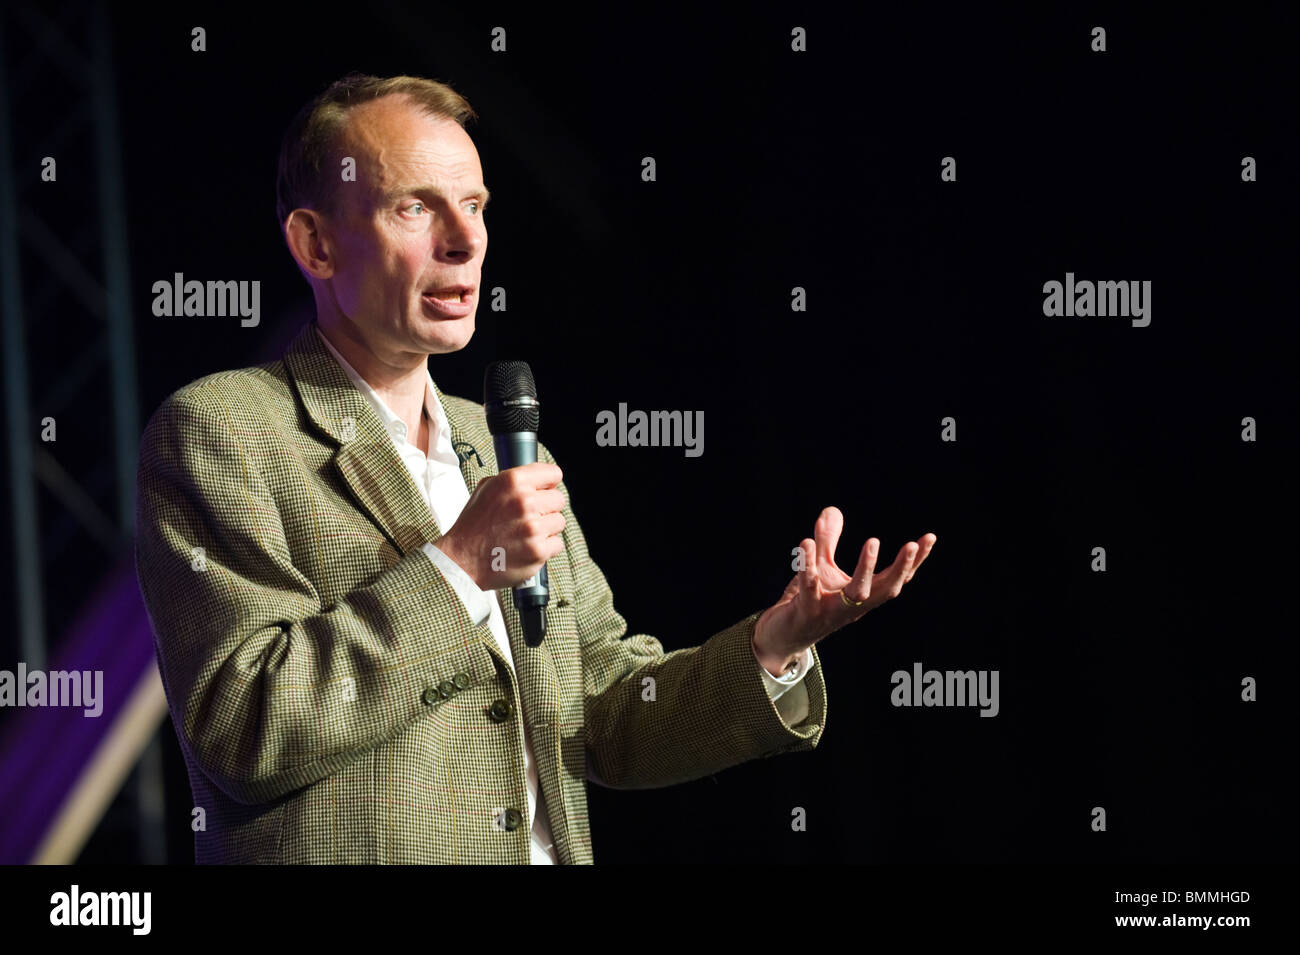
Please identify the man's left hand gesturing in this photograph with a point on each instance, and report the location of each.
(816, 602)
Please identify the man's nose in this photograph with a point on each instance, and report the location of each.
(461, 238)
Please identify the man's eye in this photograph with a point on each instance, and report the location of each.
(478, 206)
(414, 205)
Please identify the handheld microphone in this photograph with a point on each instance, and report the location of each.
(510, 400)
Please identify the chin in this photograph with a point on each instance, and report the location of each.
(448, 335)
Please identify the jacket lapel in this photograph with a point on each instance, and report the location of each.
(366, 458)
(471, 441)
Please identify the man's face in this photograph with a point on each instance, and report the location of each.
(411, 224)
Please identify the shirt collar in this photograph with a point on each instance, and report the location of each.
(394, 425)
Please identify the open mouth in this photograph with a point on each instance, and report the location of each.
(453, 294)
(452, 302)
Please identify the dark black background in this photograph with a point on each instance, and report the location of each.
(821, 170)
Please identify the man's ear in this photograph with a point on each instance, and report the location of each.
(303, 231)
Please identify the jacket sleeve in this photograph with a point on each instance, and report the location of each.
(269, 689)
(654, 718)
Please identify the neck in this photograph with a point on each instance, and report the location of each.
(400, 379)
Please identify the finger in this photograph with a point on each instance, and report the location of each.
(827, 531)
(541, 475)
(892, 580)
(924, 545)
(859, 588)
(550, 501)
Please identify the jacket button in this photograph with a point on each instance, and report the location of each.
(501, 710)
(430, 696)
(446, 688)
(461, 680)
(512, 819)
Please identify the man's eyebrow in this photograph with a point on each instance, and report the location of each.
(391, 194)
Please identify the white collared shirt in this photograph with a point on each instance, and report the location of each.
(438, 478)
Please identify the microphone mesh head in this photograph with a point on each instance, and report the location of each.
(504, 381)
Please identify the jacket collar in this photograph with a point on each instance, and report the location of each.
(366, 458)
(432, 406)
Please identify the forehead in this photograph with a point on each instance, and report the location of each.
(396, 144)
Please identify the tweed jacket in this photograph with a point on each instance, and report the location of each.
(333, 699)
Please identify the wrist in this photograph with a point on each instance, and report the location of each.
(448, 547)
(778, 666)
(776, 663)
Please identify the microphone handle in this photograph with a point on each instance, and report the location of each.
(513, 449)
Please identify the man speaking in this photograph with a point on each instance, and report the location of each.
(327, 551)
